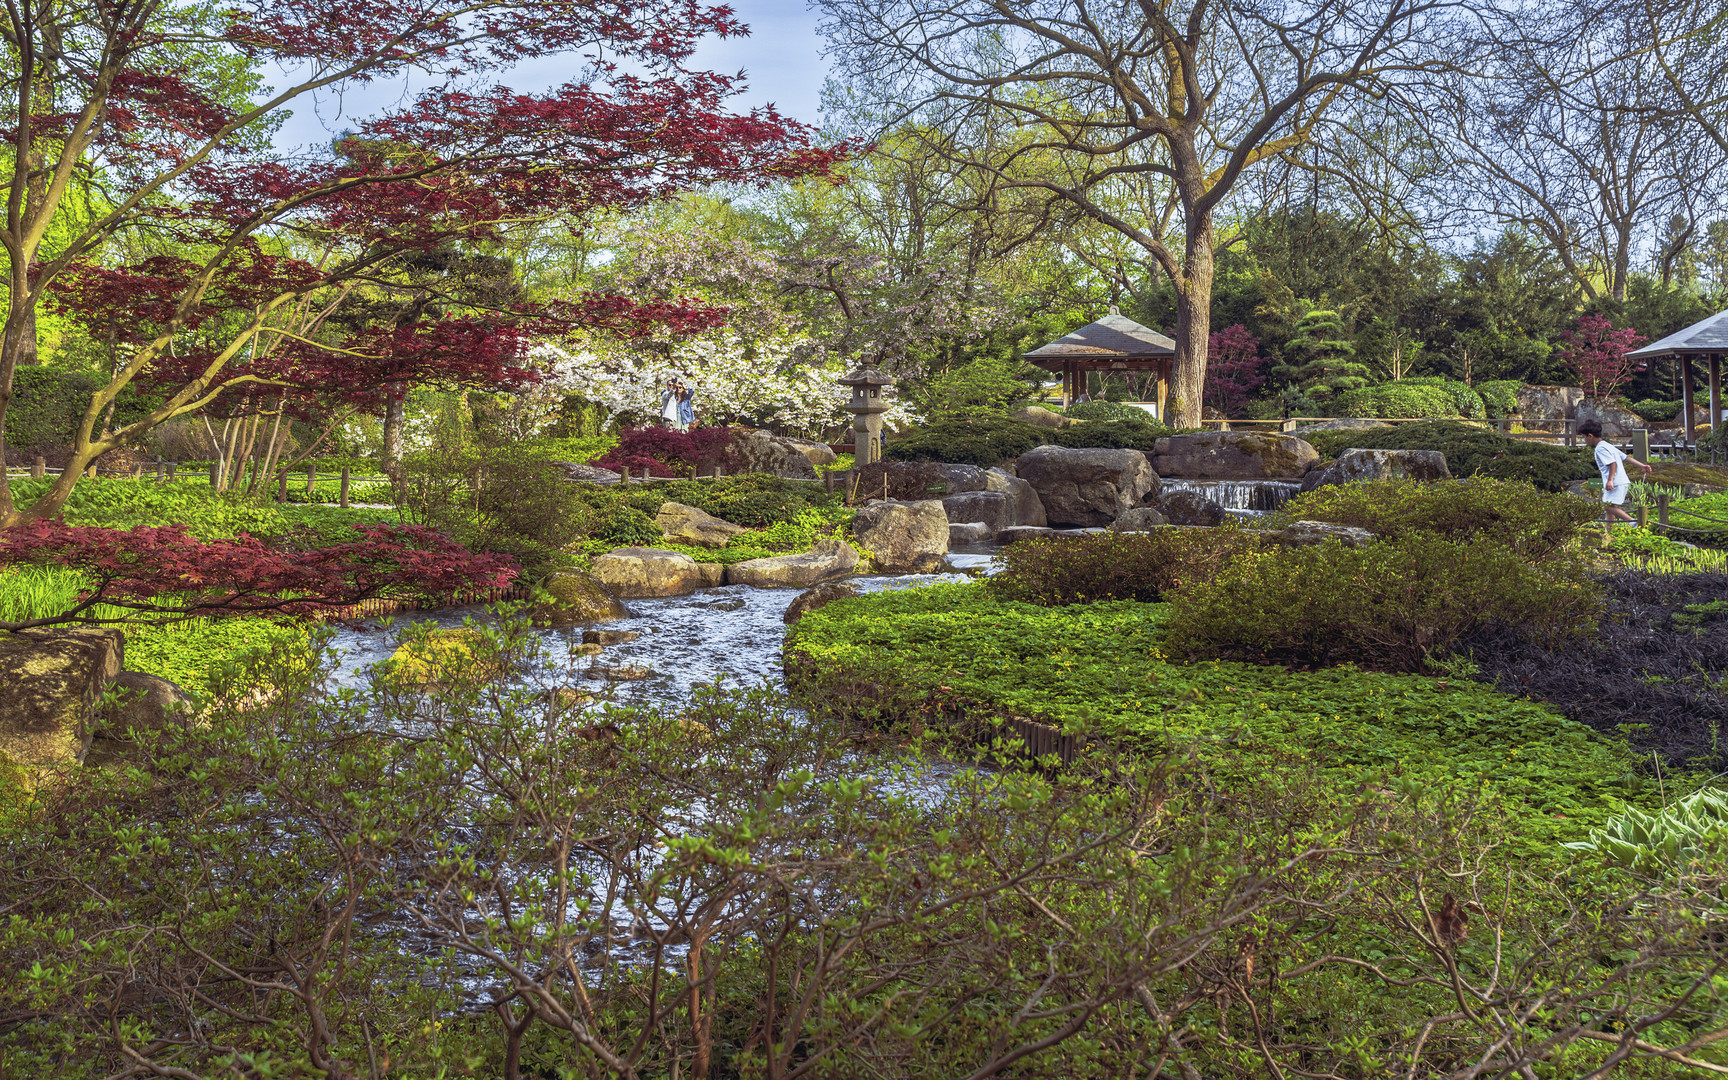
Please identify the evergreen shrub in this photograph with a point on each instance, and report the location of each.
(1656, 412)
(974, 440)
(1464, 398)
(1397, 605)
(1396, 400)
(1140, 434)
(1508, 513)
(1469, 450)
(1104, 410)
(1500, 395)
(1114, 566)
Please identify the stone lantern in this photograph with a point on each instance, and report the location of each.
(867, 406)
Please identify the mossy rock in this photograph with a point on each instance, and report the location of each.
(575, 598)
(1674, 472)
(441, 658)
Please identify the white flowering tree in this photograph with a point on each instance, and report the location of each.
(789, 384)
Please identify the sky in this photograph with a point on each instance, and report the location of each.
(781, 57)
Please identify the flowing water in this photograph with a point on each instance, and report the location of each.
(1244, 498)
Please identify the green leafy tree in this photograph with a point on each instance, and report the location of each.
(1320, 360)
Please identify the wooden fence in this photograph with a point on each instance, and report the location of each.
(171, 472)
(379, 607)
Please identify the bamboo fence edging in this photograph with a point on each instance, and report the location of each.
(378, 607)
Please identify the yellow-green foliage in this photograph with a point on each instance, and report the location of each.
(442, 656)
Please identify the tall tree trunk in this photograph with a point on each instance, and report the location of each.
(1193, 324)
(395, 415)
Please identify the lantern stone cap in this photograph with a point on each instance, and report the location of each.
(866, 376)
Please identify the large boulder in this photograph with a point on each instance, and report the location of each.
(818, 597)
(139, 704)
(1028, 510)
(758, 451)
(1233, 455)
(1139, 519)
(53, 680)
(1043, 418)
(961, 478)
(820, 455)
(639, 572)
(904, 537)
(969, 532)
(588, 474)
(1026, 532)
(1549, 402)
(1617, 423)
(689, 525)
(828, 559)
(1355, 465)
(575, 599)
(993, 509)
(1188, 508)
(1086, 487)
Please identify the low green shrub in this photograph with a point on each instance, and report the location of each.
(1500, 396)
(1140, 434)
(116, 503)
(1465, 399)
(1102, 669)
(1104, 410)
(1470, 451)
(1114, 566)
(1399, 605)
(626, 526)
(1656, 412)
(753, 500)
(974, 441)
(1510, 513)
(1396, 400)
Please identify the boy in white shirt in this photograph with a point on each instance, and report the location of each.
(1611, 463)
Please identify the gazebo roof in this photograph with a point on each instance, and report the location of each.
(1705, 336)
(1114, 337)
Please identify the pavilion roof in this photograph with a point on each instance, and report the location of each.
(1114, 337)
(1705, 336)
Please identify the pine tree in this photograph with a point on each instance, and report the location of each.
(1320, 359)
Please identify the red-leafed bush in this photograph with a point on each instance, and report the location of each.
(166, 573)
(666, 452)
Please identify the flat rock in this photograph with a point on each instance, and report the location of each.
(1308, 533)
(1354, 465)
(618, 672)
(994, 509)
(640, 572)
(828, 559)
(1188, 508)
(577, 598)
(588, 474)
(1086, 487)
(1028, 510)
(759, 451)
(608, 637)
(139, 705)
(818, 597)
(1043, 418)
(53, 680)
(1139, 519)
(1017, 533)
(691, 525)
(904, 537)
(969, 532)
(1233, 455)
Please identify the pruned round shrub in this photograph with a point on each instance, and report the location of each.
(1114, 566)
(1396, 401)
(1104, 410)
(1656, 412)
(627, 526)
(1510, 513)
(967, 441)
(1469, 450)
(1138, 434)
(1500, 395)
(1394, 605)
(1465, 399)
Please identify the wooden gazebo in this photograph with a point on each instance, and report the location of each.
(1707, 339)
(1113, 343)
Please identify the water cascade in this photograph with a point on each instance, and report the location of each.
(1240, 497)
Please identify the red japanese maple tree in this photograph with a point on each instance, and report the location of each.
(1597, 353)
(143, 98)
(164, 574)
(1233, 369)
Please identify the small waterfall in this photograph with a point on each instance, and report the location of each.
(1242, 497)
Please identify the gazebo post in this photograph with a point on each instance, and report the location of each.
(1715, 394)
(1163, 389)
(1685, 363)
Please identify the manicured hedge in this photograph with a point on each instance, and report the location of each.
(48, 404)
(1105, 410)
(1500, 395)
(1395, 400)
(1470, 451)
(970, 441)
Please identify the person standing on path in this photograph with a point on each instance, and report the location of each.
(1611, 463)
